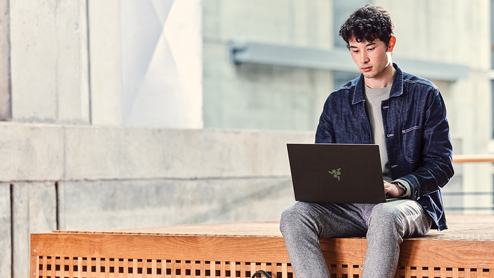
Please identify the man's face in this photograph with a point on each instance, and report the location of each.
(371, 57)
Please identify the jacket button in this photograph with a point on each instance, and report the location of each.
(390, 135)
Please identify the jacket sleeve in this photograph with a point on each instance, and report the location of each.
(325, 131)
(436, 162)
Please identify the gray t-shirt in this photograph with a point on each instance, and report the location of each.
(374, 97)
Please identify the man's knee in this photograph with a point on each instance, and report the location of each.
(386, 223)
(386, 215)
(294, 217)
(289, 216)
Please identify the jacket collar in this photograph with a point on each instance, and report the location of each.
(396, 88)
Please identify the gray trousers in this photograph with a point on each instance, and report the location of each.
(385, 225)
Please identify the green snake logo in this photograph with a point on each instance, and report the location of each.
(336, 173)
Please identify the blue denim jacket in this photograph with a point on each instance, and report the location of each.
(417, 134)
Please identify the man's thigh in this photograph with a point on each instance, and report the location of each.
(328, 219)
(409, 217)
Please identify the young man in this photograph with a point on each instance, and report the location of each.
(406, 116)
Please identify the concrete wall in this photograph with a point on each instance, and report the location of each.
(49, 62)
(33, 211)
(123, 63)
(81, 177)
(52, 152)
(164, 202)
(256, 96)
(105, 59)
(5, 231)
(5, 100)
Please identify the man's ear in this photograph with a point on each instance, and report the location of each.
(391, 44)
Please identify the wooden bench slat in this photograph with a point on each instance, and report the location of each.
(465, 250)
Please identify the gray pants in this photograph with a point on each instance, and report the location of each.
(385, 225)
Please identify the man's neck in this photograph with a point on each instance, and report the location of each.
(383, 80)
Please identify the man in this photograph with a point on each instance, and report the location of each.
(406, 116)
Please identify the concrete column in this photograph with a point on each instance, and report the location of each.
(5, 88)
(34, 211)
(105, 43)
(49, 61)
(5, 231)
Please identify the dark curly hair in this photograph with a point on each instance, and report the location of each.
(367, 24)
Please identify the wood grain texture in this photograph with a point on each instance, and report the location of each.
(214, 248)
(240, 249)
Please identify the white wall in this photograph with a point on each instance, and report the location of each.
(162, 63)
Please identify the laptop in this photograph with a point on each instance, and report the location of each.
(336, 173)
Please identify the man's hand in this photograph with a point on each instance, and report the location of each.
(392, 189)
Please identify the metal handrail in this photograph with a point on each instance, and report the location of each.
(465, 158)
(469, 208)
(468, 193)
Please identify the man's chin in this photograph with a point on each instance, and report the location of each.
(368, 75)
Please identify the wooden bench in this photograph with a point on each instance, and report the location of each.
(237, 250)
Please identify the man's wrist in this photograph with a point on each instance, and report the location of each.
(403, 188)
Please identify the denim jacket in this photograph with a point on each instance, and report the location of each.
(416, 131)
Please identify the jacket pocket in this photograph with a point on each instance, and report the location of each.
(412, 143)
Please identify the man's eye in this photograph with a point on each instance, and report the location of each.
(355, 51)
(371, 49)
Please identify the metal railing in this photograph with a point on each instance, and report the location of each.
(467, 159)
(446, 194)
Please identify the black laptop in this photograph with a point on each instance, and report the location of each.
(336, 173)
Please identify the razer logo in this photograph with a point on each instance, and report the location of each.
(336, 173)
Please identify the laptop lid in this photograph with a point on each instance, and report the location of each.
(336, 173)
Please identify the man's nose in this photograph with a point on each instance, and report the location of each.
(364, 58)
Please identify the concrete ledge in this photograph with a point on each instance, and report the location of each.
(31, 152)
(35, 152)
